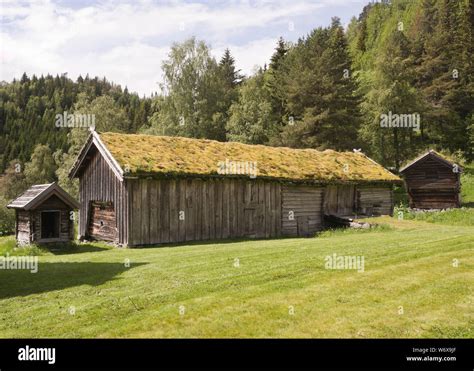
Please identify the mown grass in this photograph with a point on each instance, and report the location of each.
(249, 288)
(8, 247)
(463, 216)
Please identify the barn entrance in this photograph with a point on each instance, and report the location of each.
(102, 222)
(339, 200)
(50, 224)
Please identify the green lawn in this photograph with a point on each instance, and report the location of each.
(408, 264)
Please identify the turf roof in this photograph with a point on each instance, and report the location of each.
(145, 155)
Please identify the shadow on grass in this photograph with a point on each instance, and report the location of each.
(213, 242)
(468, 204)
(58, 276)
(74, 248)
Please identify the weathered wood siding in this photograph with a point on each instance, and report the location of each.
(103, 221)
(28, 223)
(163, 211)
(375, 200)
(302, 210)
(99, 183)
(339, 199)
(432, 185)
(23, 227)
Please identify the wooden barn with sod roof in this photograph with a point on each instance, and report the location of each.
(432, 182)
(43, 215)
(141, 189)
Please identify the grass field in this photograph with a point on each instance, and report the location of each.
(272, 288)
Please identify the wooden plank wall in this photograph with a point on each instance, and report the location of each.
(304, 204)
(431, 184)
(164, 211)
(339, 200)
(99, 183)
(375, 200)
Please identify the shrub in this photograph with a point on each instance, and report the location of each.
(7, 218)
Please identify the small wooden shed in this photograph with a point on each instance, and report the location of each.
(43, 215)
(432, 182)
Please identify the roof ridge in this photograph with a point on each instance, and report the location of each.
(327, 150)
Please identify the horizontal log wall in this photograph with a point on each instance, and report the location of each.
(103, 221)
(99, 183)
(163, 211)
(375, 200)
(302, 210)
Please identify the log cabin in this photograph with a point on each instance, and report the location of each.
(142, 189)
(43, 215)
(432, 182)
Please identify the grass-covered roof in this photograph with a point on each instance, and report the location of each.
(149, 155)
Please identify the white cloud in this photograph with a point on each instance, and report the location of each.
(252, 55)
(127, 41)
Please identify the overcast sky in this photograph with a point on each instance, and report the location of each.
(126, 41)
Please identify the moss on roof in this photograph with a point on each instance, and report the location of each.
(140, 155)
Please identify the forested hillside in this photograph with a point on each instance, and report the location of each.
(416, 57)
(28, 107)
(330, 89)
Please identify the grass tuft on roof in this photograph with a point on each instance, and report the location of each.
(149, 155)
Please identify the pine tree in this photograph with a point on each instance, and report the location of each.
(231, 75)
(392, 94)
(321, 92)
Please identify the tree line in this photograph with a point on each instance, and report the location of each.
(333, 88)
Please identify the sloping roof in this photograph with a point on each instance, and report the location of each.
(36, 194)
(137, 155)
(433, 154)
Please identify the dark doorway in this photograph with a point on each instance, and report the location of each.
(50, 224)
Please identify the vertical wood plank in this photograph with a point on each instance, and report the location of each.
(278, 208)
(268, 210)
(153, 190)
(173, 200)
(273, 208)
(225, 208)
(190, 210)
(205, 212)
(182, 207)
(145, 211)
(240, 210)
(232, 209)
(197, 205)
(165, 211)
(218, 189)
(211, 210)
